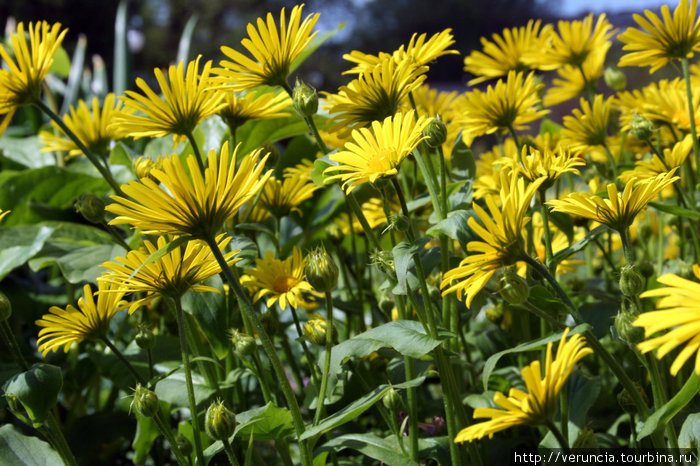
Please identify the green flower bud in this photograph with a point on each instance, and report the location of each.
(145, 401)
(245, 344)
(91, 207)
(513, 288)
(646, 268)
(315, 331)
(5, 307)
(384, 260)
(625, 398)
(436, 131)
(392, 400)
(615, 79)
(399, 222)
(624, 323)
(641, 127)
(586, 439)
(631, 281)
(184, 444)
(321, 272)
(304, 99)
(219, 422)
(145, 338)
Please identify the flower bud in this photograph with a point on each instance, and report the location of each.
(145, 401)
(392, 400)
(624, 323)
(641, 128)
(513, 288)
(384, 260)
(399, 222)
(245, 344)
(304, 99)
(646, 268)
(5, 307)
(615, 79)
(315, 331)
(184, 444)
(145, 338)
(144, 166)
(586, 439)
(631, 281)
(436, 131)
(321, 272)
(219, 422)
(91, 207)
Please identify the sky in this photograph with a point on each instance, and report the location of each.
(575, 7)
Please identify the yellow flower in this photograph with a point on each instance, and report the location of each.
(510, 104)
(272, 50)
(191, 204)
(280, 280)
(662, 102)
(538, 404)
(660, 42)
(91, 127)
(63, 327)
(372, 96)
(253, 105)
(559, 243)
(489, 167)
(571, 82)
(619, 210)
(377, 153)
(678, 309)
(282, 197)
(506, 51)
(3, 214)
(20, 80)
(185, 103)
(546, 163)
(171, 275)
(672, 158)
(501, 237)
(301, 170)
(572, 43)
(587, 129)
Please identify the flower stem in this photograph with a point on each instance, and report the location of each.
(188, 378)
(321, 399)
(563, 442)
(123, 359)
(691, 111)
(309, 122)
(248, 312)
(545, 225)
(103, 169)
(59, 441)
(305, 348)
(195, 149)
(229, 452)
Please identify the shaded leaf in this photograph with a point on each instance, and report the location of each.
(17, 449)
(369, 445)
(19, 244)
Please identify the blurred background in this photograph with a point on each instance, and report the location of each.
(154, 27)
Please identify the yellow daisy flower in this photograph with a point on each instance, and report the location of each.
(618, 210)
(281, 197)
(372, 96)
(506, 52)
(20, 80)
(538, 404)
(377, 153)
(193, 204)
(547, 163)
(91, 127)
(573, 81)
(272, 50)
(280, 280)
(660, 42)
(672, 158)
(185, 103)
(253, 105)
(665, 102)
(587, 129)
(171, 275)
(571, 43)
(501, 241)
(63, 327)
(511, 104)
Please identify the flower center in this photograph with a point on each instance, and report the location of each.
(284, 283)
(381, 162)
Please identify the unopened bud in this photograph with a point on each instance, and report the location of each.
(624, 323)
(145, 338)
(304, 99)
(219, 422)
(615, 79)
(145, 402)
(5, 307)
(384, 260)
(91, 207)
(641, 127)
(315, 331)
(631, 281)
(399, 222)
(244, 343)
(646, 269)
(144, 166)
(513, 288)
(392, 400)
(436, 132)
(184, 444)
(321, 272)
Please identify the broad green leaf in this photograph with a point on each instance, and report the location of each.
(690, 432)
(37, 389)
(163, 146)
(17, 449)
(84, 264)
(675, 210)
(430, 258)
(173, 389)
(75, 75)
(662, 416)
(19, 244)
(299, 148)
(210, 311)
(403, 257)
(354, 409)
(257, 133)
(600, 315)
(582, 393)
(248, 248)
(315, 43)
(268, 422)
(577, 246)
(529, 346)
(183, 47)
(122, 154)
(455, 226)
(463, 165)
(549, 127)
(543, 299)
(320, 166)
(61, 63)
(370, 445)
(146, 433)
(25, 151)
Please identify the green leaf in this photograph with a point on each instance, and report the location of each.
(61, 63)
(173, 389)
(248, 248)
(549, 127)
(75, 75)
(369, 445)
(119, 76)
(577, 246)
(25, 151)
(662, 416)
(257, 133)
(455, 226)
(146, 433)
(315, 43)
(463, 165)
(320, 166)
(19, 244)
(17, 449)
(268, 422)
(37, 389)
(121, 154)
(529, 346)
(357, 407)
(600, 315)
(210, 311)
(675, 210)
(403, 257)
(690, 432)
(183, 47)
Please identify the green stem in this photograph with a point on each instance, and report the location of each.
(248, 312)
(168, 434)
(309, 122)
(680, 400)
(545, 224)
(125, 361)
(627, 246)
(563, 442)
(305, 348)
(321, 399)
(59, 441)
(691, 112)
(103, 169)
(10, 341)
(229, 452)
(195, 149)
(611, 161)
(179, 314)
